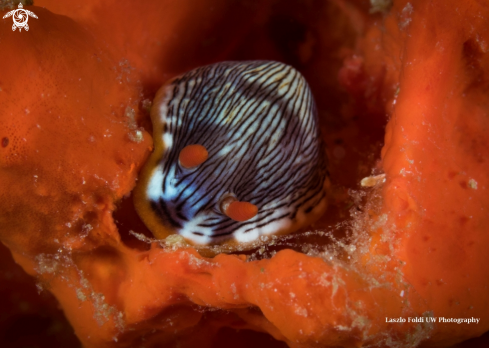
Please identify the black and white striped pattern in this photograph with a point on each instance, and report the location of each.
(258, 121)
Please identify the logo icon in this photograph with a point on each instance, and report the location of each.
(20, 17)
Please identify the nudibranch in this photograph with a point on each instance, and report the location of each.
(238, 154)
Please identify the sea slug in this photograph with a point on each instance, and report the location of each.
(238, 154)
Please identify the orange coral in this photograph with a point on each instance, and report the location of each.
(73, 117)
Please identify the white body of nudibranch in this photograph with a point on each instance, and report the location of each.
(256, 127)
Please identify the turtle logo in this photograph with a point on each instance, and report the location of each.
(20, 17)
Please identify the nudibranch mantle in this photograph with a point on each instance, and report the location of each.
(258, 122)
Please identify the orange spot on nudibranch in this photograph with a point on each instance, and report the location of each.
(241, 211)
(193, 155)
